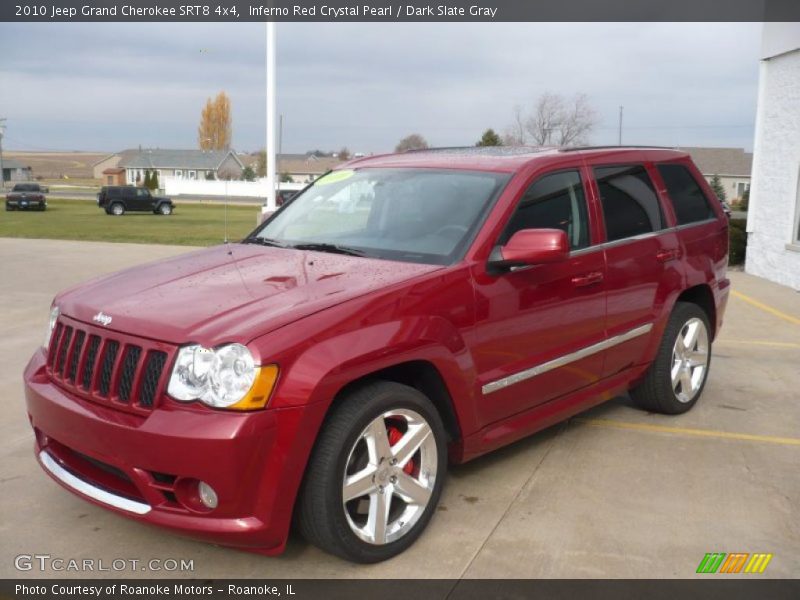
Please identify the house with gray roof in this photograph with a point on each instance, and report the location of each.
(13, 170)
(185, 164)
(731, 165)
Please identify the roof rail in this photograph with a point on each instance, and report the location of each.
(625, 147)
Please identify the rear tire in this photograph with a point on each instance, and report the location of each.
(363, 498)
(117, 209)
(676, 378)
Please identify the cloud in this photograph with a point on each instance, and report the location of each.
(114, 85)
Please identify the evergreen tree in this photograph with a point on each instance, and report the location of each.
(489, 138)
(717, 187)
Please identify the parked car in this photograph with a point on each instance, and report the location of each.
(118, 199)
(403, 313)
(26, 196)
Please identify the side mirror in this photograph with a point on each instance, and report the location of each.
(532, 247)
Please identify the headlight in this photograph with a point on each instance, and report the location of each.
(224, 377)
(54, 312)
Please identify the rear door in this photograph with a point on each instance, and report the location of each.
(143, 200)
(536, 325)
(642, 256)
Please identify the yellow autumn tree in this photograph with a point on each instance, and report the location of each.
(215, 129)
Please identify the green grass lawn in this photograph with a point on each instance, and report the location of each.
(189, 225)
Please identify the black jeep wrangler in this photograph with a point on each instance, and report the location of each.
(117, 199)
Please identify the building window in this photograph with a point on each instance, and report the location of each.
(178, 173)
(192, 174)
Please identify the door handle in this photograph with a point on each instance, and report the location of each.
(588, 279)
(667, 255)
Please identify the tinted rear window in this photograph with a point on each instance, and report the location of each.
(630, 204)
(688, 200)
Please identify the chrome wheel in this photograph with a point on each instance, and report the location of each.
(690, 360)
(389, 476)
(117, 209)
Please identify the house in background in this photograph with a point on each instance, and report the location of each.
(733, 166)
(302, 168)
(185, 164)
(773, 218)
(13, 170)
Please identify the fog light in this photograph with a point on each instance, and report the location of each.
(207, 495)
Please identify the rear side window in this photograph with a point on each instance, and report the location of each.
(688, 200)
(630, 204)
(555, 201)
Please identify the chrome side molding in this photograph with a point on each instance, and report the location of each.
(499, 384)
(87, 489)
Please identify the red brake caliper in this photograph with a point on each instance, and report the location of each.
(394, 437)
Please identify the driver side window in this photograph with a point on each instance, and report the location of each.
(554, 201)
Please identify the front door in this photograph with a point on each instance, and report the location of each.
(536, 325)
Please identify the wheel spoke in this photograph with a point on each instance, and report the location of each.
(377, 441)
(411, 490)
(690, 338)
(359, 484)
(410, 442)
(378, 518)
(697, 358)
(686, 382)
(676, 373)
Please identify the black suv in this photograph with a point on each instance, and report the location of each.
(116, 200)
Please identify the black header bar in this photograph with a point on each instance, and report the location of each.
(399, 10)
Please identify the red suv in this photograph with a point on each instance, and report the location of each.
(404, 312)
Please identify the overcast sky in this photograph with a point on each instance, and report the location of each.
(110, 86)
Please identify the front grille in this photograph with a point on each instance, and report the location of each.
(107, 367)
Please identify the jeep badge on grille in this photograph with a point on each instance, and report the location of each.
(101, 318)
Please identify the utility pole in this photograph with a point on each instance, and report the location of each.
(2, 171)
(271, 205)
(619, 143)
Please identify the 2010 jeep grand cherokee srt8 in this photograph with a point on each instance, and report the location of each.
(403, 312)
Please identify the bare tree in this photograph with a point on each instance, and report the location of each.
(555, 121)
(411, 142)
(344, 153)
(515, 134)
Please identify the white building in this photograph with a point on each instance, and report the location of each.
(773, 223)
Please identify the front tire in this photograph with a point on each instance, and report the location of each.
(375, 475)
(676, 378)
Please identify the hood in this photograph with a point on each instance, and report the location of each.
(229, 293)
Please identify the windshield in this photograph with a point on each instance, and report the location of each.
(415, 215)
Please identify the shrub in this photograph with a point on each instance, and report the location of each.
(737, 238)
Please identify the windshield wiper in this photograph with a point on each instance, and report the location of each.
(333, 248)
(262, 241)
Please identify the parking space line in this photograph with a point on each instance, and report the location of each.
(766, 307)
(709, 433)
(759, 343)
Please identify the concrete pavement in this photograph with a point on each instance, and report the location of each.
(615, 492)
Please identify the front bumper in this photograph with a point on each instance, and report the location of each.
(145, 467)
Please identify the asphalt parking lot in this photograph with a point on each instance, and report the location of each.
(613, 493)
